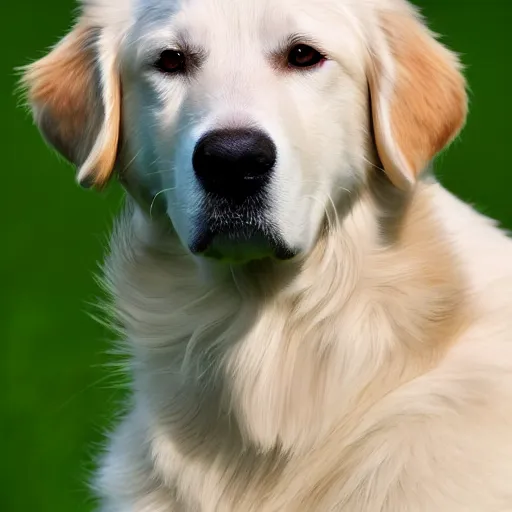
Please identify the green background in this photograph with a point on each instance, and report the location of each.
(56, 394)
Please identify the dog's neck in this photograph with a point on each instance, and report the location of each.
(276, 355)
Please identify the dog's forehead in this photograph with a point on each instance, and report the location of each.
(127, 12)
(209, 21)
(211, 15)
(226, 6)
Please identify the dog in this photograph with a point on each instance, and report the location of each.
(313, 322)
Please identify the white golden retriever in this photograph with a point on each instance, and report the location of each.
(314, 323)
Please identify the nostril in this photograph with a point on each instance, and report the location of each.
(234, 161)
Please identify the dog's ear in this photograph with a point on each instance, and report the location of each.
(418, 95)
(74, 93)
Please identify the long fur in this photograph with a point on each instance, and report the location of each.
(372, 373)
(362, 378)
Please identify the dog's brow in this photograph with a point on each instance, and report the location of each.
(154, 15)
(156, 42)
(185, 43)
(297, 38)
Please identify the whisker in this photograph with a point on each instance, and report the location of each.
(127, 166)
(339, 187)
(155, 197)
(162, 171)
(375, 166)
(324, 208)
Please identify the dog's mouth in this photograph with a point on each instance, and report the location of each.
(237, 233)
(240, 245)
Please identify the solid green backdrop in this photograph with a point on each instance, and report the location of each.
(57, 395)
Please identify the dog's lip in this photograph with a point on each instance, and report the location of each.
(240, 245)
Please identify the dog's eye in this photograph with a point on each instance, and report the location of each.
(304, 56)
(170, 61)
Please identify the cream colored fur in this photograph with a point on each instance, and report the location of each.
(373, 373)
(320, 389)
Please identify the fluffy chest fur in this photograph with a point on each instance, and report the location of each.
(298, 387)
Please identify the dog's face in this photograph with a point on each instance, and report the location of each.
(246, 120)
(251, 117)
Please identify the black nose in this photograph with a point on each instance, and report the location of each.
(234, 163)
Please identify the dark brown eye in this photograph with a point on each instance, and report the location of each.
(171, 61)
(304, 56)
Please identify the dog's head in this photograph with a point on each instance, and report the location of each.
(246, 119)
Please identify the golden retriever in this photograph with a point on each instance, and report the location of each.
(314, 323)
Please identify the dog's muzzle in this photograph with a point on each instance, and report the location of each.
(234, 167)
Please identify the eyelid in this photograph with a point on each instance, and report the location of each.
(156, 53)
(296, 39)
(193, 56)
(279, 56)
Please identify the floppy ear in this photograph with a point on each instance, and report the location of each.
(418, 96)
(74, 93)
